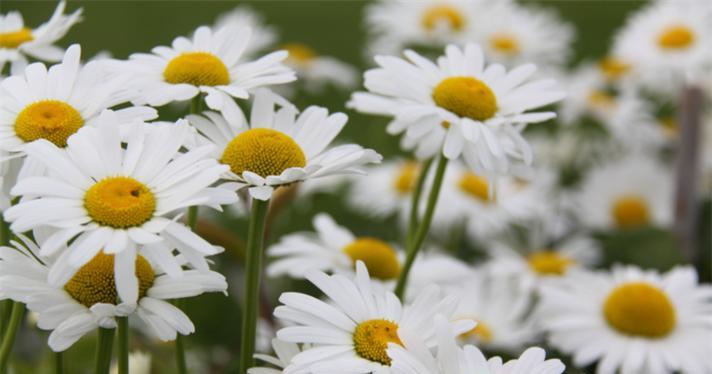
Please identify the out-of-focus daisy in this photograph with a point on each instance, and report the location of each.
(280, 146)
(263, 35)
(434, 267)
(54, 104)
(631, 192)
(459, 106)
(110, 199)
(631, 320)
(18, 42)
(92, 297)
(316, 71)
(283, 354)
(353, 330)
(334, 249)
(212, 63)
(139, 362)
(386, 189)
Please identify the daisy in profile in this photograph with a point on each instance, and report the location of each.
(354, 327)
(110, 200)
(211, 63)
(263, 36)
(279, 146)
(317, 71)
(632, 192)
(18, 42)
(631, 320)
(458, 106)
(94, 296)
(387, 189)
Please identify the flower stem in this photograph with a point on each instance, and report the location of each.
(18, 310)
(180, 304)
(59, 363)
(103, 352)
(123, 328)
(415, 202)
(423, 228)
(253, 268)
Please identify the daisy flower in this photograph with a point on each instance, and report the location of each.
(353, 329)
(284, 353)
(458, 106)
(212, 63)
(317, 71)
(279, 146)
(92, 297)
(630, 320)
(52, 104)
(110, 200)
(18, 42)
(386, 189)
(632, 192)
(263, 36)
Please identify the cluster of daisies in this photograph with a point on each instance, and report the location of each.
(501, 204)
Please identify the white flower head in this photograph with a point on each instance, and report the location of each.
(316, 71)
(263, 35)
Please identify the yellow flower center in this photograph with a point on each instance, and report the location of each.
(601, 99)
(405, 181)
(613, 68)
(630, 211)
(504, 43)
(263, 152)
(481, 332)
(52, 120)
(475, 186)
(466, 97)
(120, 202)
(640, 309)
(371, 339)
(198, 69)
(95, 283)
(671, 127)
(443, 14)
(14, 39)
(548, 262)
(676, 37)
(380, 259)
(299, 53)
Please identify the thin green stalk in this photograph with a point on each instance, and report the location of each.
(18, 310)
(59, 363)
(103, 351)
(123, 328)
(253, 268)
(423, 228)
(415, 201)
(180, 352)
(196, 104)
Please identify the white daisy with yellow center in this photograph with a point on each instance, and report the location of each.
(387, 189)
(93, 297)
(263, 36)
(631, 320)
(279, 146)
(354, 328)
(18, 42)
(458, 106)
(317, 71)
(111, 199)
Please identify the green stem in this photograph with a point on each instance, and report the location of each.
(193, 217)
(180, 339)
(18, 310)
(59, 363)
(423, 228)
(253, 268)
(103, 352)
(415, 201)
(196, 104)
(123, 328)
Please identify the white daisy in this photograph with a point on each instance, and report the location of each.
(316, 71)
(279, 146)
(284, 353)
(351, 332)
(631, 321)
(18, 42)
(458, 106)
(91, 298)
(263, 36)
(386, 189)
(110, 199)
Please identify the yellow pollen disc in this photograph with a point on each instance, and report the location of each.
(380, 259)
(405, 180)
(671, 128)
(94, 282)
(445, 124)
(475, 186)
(198, 69)
(14, 39)
(640, 309)
(120, 202)
(52, 120)
(466, 97)
(676, 37)
(601, 99)
(263, 152)
(630, 211)
(504, 43)
(300, 53)
(548, 262)
(442, 14)
(481, 332)
(613, 68)
(371, 339)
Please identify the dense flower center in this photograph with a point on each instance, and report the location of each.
(95, 283)
(120, 202)
(198, 69)
(263, 152)
(676, 37)
(14, 39)
(613, 68)
(380, 259)
(640, 309)
(299, 53)
(630, 211)
(548, 262)
(475, 186)
(466, 97)
(504, 43)
(371, 339)
(481, 332)
(601, 100)
(443, 14)
(405, 180)
(52, 120)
